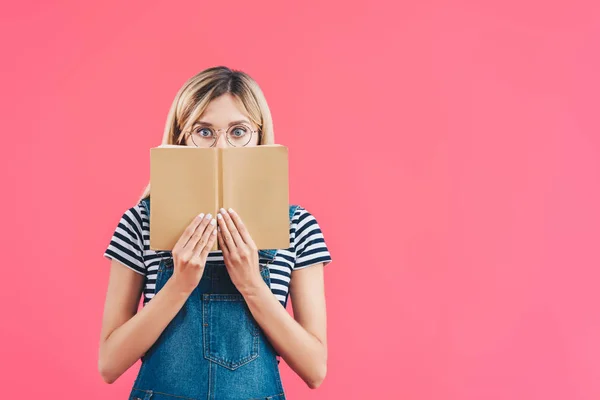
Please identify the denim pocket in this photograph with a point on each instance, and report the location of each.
(230, 333)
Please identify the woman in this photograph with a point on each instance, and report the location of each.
(213, 324)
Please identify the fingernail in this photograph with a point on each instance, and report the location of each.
(219, 216)
(213, 221)
(214, 232)
(223, 211)
(201, 215)
(208, 216)
(231, 210)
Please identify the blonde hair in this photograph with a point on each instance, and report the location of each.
(195, 94)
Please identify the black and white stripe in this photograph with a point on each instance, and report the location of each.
(130, 245)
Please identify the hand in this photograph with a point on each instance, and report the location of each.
(239, 252)
(191, 250)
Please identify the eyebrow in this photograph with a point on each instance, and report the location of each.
(230, 124)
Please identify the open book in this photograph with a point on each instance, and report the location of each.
(186, 181)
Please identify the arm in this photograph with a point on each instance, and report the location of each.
(127, 335)
(302, 340)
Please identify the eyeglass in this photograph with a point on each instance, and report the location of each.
(237, 135)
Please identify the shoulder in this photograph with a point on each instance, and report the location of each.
(301, 214)
(304, 223)
(309, 244)
(136, 218)
(127, 242)
(137, 211)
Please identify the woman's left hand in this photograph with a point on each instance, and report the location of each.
(239, 251)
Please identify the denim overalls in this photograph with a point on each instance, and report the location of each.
(213, 348)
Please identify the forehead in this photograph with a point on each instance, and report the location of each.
(224, 109)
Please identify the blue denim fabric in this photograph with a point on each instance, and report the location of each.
(213, 348)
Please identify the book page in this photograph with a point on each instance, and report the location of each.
(183, 184)
(255, 185)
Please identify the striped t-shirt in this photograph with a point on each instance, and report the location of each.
(130, 245)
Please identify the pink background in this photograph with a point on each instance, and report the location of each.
(449, 151)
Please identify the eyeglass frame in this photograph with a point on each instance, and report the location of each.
(217, 132)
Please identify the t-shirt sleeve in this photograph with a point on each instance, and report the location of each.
(127, 242)
(309, 242)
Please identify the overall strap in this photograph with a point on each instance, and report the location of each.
(146, 203)
(293, 209)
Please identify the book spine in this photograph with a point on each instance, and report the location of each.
(219, 171)
(219, 194)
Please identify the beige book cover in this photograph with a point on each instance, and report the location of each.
(186, 181)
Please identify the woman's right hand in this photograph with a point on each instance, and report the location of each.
(191, 250)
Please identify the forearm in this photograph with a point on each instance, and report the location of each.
(126, 344)
(300, 349)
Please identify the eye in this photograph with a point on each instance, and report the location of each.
(203, 132)
(239, 131)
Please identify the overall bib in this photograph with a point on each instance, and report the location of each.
(213, 348)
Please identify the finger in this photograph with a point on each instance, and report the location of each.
(211, 241)
(191, 243)
(188, 232)
(201, 244)
(225, 234)
(241, 227)
(222, 243)
(231, 227)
